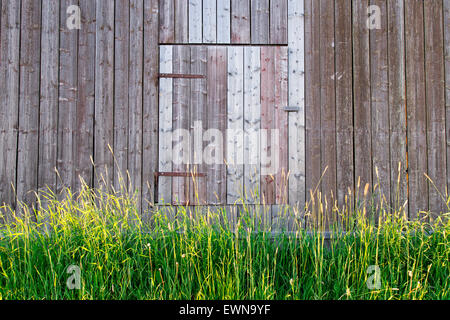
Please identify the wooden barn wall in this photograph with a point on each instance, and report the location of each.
(374, 104)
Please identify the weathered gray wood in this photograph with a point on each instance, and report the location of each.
(209, 22)
(166, 21)
(48, 113)
(240, 21)
(181, 21)
(150, 108)
(278, 21)
(68, 64)
(28, 141)
(195, 21)
(86, 95)
(260, 22)
(9, 98)
(223, 21)
(104, 94)
(447, 82)
(435, 102)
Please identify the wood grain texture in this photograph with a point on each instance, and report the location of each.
(9, 98)
(235, 120)
(260, 16)
(86, 95)
(447, 82)
(209, 22)
(167, 21)
(397, 103)
(122, 51)
(104, 94)
(344, 104)
(240, 21)
(195, 21)
(223, 21)
(181, 21)
(252, 123)
(435, 102)
(28, 141)
(416, 102)
(278, 21)
(380, 111)
(48, 113)
(296, 78)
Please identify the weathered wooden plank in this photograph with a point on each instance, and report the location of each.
(136, 69)
(181, 21)
(180, 121)
(122, 53)
(252, 123)
(447, 83)
(28, 141)
(86, 95)
(150, 107)
(195, 21)
(381, 170)
(415, 99)
(278, 21)
(260, 22)
(198, 122)
(397, 103)
(9, 98)
(104, 94)
(361, 98)
(165, 124)
(235, 119)
(296, 78)
(223, 21)
(281, 123)
(268, 149)
(217, 106)
(166, 21)
(48, 113)
(240, 21)
(209, 22)
(435, 102)
(344, 103)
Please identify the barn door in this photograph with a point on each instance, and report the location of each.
(223, 125)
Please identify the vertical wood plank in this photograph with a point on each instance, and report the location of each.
(198, 122)
(268, 150)
(104, 94)
(195, 21)
(240, 21)
(344, 102)
(217, 112)
(415, 99)
(86, 95)
(165, 124)
(122, 53)
(361, 98)
(281, 123)
(209, 22)
(252, 123)
(260, 22)
(223, 21)
(181, 21)
(435, 102)
(27, 162)
(9, 98)
(447, 83)
(312, 102)
(380, 110)
(296, 78)
(180, 118)
(397, 102)
(48, 117)
(150, 108)
(278, 21)
(166, 21)
(235, 118)
(136, 67)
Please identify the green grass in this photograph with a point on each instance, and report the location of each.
(120, 257)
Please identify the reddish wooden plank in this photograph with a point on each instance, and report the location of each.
(344, 104)
(281, 123)
(415, 99)
(260, 16)
(28, 141)
(166, 21)
(278, 21)
(84, 134)
(435, 102)
(268, 150)
(240, 21)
